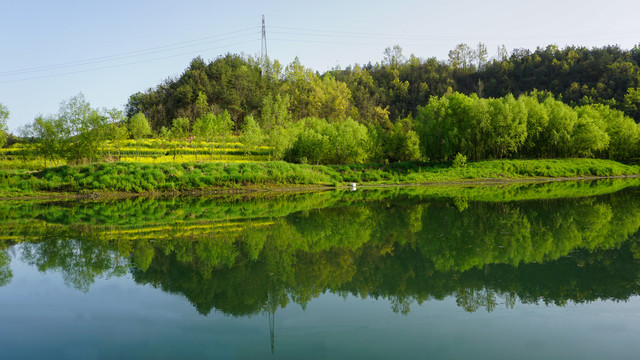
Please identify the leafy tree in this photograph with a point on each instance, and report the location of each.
(205, 127)
(461, 57)
(202, 105)
(589, 135)
(49, 136)
(321, 142)
(4, 115)
(180, 128)
(251, 135)
(139, 126)
(116, 129)
(275, 112)
(555, 140)
(537, 121)
(85, 128)
(632, 103)
(224, 127)
(621, 131)
(402, 143)
(508, 121)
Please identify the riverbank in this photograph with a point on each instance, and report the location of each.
(122, 179)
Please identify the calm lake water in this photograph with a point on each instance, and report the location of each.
(528, 271)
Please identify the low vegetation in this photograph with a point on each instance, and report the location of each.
(139, 178)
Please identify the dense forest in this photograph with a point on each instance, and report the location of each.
(547, 103)
(551, 102)
(396, 87)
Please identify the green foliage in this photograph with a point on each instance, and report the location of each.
(321, 142)
(180, 128)
(135, 177)
(4, 115)
(252, 135)
(459, 161)
(229, 82)
(275, 112)
(84, 129)
(205, 126)
(506, 127)
(74, 133)
(139, 126)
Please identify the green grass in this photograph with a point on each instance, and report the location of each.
(139, 178)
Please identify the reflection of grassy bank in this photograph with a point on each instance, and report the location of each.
(139, 178)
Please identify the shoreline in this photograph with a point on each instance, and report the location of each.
(295, 188)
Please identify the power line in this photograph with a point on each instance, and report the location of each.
(132, 54)
(331, 33)
(126, 64)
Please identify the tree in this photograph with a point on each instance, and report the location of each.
(82, 127)
(275, 112)
(180, 128)
(205, 128)
(402, 143)
(223, 127)
(252, 135)
(49, 136)
(139, 126)
(508, 121)
(117, 131)
(632, 103)
(461, 57)
(393, 56)
(481, 55)
(201, 103)
(4, 115)
(502, 54)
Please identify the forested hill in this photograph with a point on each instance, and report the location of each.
(393, 89)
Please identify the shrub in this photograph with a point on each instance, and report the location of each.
(459, 161)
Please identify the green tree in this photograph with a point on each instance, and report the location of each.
(139, 126)
(508, 121)
(481, 55)
(251, 135)
(632, 103)
(589, 136)
(4, 115)
(180, 128)
(50, 137)
(202, 105)
(275, 112)
(224, 127)
(402, 143)
(85, 129)
(117, 131)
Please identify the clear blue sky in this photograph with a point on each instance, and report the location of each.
(51, 50)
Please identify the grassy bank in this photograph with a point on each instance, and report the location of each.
(138, 178)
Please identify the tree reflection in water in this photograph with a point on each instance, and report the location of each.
(250, 256)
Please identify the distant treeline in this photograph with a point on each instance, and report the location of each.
(396, 87)
(548, 103)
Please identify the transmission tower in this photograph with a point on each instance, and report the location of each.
(263, 50)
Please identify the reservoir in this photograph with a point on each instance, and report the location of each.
(527, 271)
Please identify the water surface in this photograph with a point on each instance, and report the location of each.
(526, 271)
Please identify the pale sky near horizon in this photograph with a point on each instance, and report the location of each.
(50, 50)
